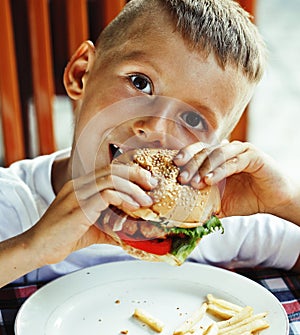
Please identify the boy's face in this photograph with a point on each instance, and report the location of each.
(153, 91)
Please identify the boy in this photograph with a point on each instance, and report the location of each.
(165, 73)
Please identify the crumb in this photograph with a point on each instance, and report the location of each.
(124, 332)
(117, 301)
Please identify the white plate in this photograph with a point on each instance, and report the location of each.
(100, 300)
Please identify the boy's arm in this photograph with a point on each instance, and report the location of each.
(17, 258)
(68, 224)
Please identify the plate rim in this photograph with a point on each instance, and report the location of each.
(149, 265)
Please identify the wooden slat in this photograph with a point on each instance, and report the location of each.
(76, 11)
(77, 23)
(43, 84)
(9, 92)
(249, 6)
(240, 132)
(112, 9)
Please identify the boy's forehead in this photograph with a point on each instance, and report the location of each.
(147, 39)
(143, 28)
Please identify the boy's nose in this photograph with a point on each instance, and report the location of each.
(153, 130)
(160, 126)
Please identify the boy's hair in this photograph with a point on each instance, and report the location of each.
(220, 27)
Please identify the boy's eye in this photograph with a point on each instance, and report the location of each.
(194, 120)
(142, 83)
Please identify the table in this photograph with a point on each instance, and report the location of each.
(285, 285)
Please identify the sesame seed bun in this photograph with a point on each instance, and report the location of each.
(172, 227)
(180, 205)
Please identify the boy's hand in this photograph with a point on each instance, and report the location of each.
(254, 184)
(68, 224)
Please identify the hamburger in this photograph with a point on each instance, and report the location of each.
(180, 216)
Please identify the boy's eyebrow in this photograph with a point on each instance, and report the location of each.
(134, 54)
(140, 55)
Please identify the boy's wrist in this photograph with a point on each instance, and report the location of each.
(290, 211)
(31, 255)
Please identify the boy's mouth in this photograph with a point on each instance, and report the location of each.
(115, 151)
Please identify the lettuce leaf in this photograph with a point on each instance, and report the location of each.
(187, 238)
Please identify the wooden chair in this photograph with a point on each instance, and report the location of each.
(39, 27)
(11, 116)
(240, 132)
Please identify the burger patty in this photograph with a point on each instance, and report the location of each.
(137, 228)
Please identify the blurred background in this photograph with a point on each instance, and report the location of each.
(274, 113)
(274, 117)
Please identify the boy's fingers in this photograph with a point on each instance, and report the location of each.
(212, 160)
(191, 169)
(119, 199)
(94, 205)
(232, 166)
(117, 183)
(93, 193)
(187, 153)
(221, 155)
(133, 173)
(125, 187)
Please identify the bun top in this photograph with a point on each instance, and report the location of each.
(179, 205)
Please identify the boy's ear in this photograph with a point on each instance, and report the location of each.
(77, 69)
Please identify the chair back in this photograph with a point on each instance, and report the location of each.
(37, 38)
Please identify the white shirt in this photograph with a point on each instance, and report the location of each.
(26, 192)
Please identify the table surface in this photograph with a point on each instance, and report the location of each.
(285, 285)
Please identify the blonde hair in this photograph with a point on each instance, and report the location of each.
(220, 27)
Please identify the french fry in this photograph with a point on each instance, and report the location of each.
(201, 327)
(243, 322)
(220, 311)
(223, 303)
(238, 317)
(212, 329)
(234, 319)
(253, 326)
(188, 324)
(199, 331)
(238, 320)
(149, 320)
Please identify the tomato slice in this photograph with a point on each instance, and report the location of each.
(155, 246)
